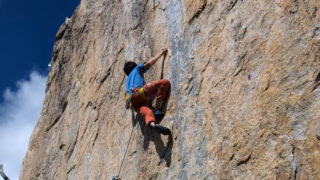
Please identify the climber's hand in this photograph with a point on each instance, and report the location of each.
(153, 60)
(164, 51)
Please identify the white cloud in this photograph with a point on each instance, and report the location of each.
(19, 113)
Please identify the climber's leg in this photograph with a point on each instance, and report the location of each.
(159, 88)
(147, 113)
(160, 129)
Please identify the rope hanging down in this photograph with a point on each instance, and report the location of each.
(125, 154)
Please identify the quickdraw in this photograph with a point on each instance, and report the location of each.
(128, 101)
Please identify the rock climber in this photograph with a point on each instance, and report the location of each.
(138, 94)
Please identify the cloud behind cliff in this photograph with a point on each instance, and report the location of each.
(19, 112)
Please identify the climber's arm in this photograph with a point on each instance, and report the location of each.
(153, 60)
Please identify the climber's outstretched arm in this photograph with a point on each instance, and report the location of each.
(153, 60)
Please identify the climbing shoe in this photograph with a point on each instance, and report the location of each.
(161, 129)
(116, 178)
(158, 113)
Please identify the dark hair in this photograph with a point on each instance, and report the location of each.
(128, 67)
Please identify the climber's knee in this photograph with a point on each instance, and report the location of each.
(166, 82)
(148, 115)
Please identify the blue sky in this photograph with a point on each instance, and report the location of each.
(27, 34)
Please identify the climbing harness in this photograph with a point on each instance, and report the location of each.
(118, 176)
(142, 94)
(128, 97)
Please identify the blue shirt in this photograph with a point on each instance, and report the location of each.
(136, 78)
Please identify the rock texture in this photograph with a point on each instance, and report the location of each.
(245, 94)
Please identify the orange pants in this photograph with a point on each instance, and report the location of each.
(141, 104)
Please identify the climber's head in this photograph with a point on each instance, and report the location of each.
(128, 67)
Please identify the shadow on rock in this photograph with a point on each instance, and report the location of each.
(164, 106)
(164, 150)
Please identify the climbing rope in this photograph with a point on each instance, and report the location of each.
(125, 154)
(162, 66)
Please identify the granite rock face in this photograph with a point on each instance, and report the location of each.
(245, 96)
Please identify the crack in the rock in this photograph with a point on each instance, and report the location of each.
(73, 166)
(121, 83)
(105, 77)
(218, 83)
(294, 161)
(199, 11)
(71, 149)
(244, 161)
(232, 5)
(108, 73)
(316, 82)
(57, 118)
(95, 138)
(61, 146)
(295, 9)
(231, 158)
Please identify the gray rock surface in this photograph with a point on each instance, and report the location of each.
(244, 103)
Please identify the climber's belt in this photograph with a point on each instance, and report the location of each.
(142, 94)
(128, 96)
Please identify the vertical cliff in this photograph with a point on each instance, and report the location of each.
(244, 99)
